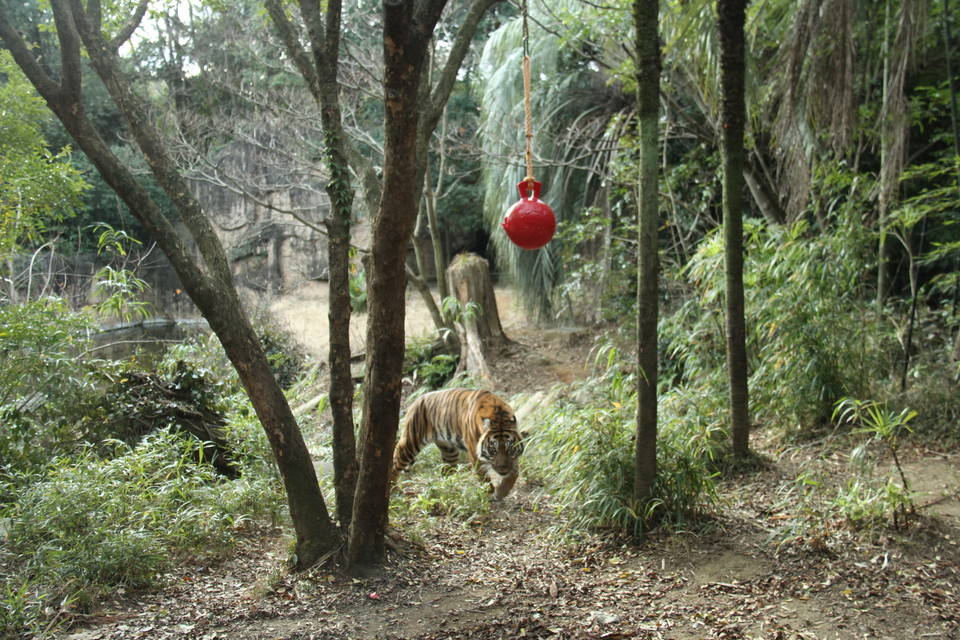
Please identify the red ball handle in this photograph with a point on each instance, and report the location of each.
(528, 185)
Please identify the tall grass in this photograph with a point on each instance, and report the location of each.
(432, 492)
(91, 524)
(83, 512)
(583, 452)
(812, 336)
(41, 380)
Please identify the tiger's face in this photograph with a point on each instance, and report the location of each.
(500, 443)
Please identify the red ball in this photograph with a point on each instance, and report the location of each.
(530, 222)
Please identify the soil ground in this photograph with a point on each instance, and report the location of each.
(501, 575)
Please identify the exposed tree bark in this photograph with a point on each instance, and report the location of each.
(473, 358)
(320, 74)
(469, 280)
(645, 16)
(894, 125)
(407, 29)
(431, 196)
(208, 281)
(733, 117)
(763, 195)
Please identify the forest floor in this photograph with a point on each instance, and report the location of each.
(501, 575)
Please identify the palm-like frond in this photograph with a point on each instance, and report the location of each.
(565, 96)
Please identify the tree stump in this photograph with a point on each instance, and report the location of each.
(481, 332)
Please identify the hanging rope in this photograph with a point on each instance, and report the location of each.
(527, 110)
(530, 222)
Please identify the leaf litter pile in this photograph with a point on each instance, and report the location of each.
(505, 575)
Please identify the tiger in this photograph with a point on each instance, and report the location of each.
(456, 420)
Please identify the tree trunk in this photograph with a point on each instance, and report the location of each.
(886, 173)
(645, 17)
(345, 466)
(407, 27)
(431, 195)
(733, 118)
(431, 106)
(320, 75)
(209, 282)
(895, 121)
(468, 278)
(763, 195)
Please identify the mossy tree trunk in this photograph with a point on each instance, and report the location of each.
(733, 118)
(319, 72)
(645, 14)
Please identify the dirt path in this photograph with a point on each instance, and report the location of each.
(500, 576)
(503, 575)
(304, 313)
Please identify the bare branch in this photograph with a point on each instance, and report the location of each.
(124, 34)
(13, 41)
(448, 76)
(291, 43)
(70, 72)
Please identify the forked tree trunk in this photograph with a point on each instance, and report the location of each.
(468, 277)
(431, 105)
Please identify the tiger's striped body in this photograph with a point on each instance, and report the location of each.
(456, 420)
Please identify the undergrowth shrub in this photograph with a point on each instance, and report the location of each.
(824, 507)
(41, 380)
(932, 380)
(203, 367)
(92, 524)
(583, 452)
(428, 364)
(432, 490)
(84, 512)
(286, 356)
(812, 337)
(54, 399)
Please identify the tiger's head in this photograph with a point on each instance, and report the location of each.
(500, 442)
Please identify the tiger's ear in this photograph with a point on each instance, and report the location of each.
(486, 423)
